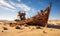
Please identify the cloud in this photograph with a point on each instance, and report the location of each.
(23, 7)
(3, 3)
(14, 5)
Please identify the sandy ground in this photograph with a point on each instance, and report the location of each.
(53, 30)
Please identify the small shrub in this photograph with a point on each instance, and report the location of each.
(5, 28)
(2, 31)
(11, 24)
(17, 27)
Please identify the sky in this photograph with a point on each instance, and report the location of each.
(9, 8)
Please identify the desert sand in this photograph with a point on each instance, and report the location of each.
(53, 29)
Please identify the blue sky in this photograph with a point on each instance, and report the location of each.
(9, 8)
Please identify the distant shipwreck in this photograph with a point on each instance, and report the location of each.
(40, 19)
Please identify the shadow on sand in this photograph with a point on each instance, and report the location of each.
(53, 26)
(49, 25)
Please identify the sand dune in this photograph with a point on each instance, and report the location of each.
(53, 29)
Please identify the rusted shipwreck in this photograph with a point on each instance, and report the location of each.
(40, 19)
